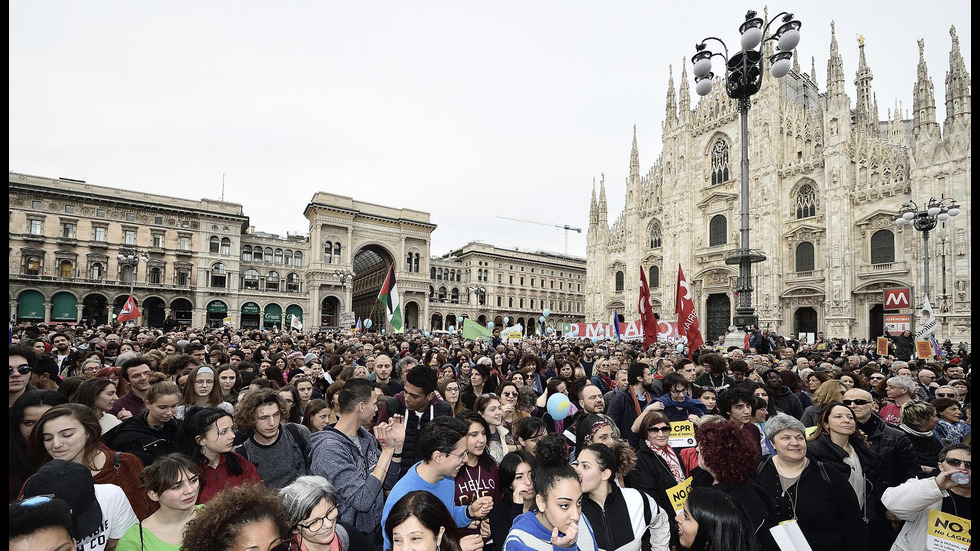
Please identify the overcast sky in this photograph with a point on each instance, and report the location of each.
(466, 110)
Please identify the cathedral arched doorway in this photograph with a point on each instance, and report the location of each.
(329, 311)
(805, 321)
(718, 318)
(876, 322)
(370, 268)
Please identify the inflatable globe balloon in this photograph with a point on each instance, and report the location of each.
(546, 312)
(368, 323)
(426, 334)
(506, 320)
(541, 319)
(490, 325)
(452, 329)
(559, 407)
(382, 331)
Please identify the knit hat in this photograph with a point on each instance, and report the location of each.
(295, 355)
(71, 482)
(310, 358)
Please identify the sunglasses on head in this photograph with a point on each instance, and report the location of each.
(857, 402)
(957, 462)
(665, 430)
(22, 369)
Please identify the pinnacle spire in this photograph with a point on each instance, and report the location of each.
(835, 67)
(958, 100)
(684, 102)
(923, 99)
(634, 157)
(671, 116)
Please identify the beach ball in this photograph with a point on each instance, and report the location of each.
(559, 407)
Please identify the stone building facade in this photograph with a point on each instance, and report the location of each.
(827, 178)
(487, 283)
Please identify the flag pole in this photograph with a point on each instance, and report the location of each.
(371, 315)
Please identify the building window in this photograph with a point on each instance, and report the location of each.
(127, 273)
(654, 277)
(69, 209)
(806, 202)
(184, 243)
(32, 265)
(717, 231)
(155, 275)
(268, 255)
(129, 237)
(36, 205)
(500, 278)
(655, 236)
(247, 253)
(185, 224)
(298, 259)
(442, 294)
(214, 245)
(719, 162)
(251, 280)
(65, 269)
(454, 296)
(432, 292)
(336, 253)
(225, 245)
(620, 281)
(532, 304)
(68, 230)
(432, 272)
(157, 240)
(328, 252)
(183, 277)
(510, 280)
(158, 220)
(292, 283)
(522, 281)
(219, 277)
(883, 247)
(510, 301)
(100, 213)
(804, 257)
(500, 302)
(439, 273)
(36, 227)
(130, 217)
(96, 271)
(272, 281)
(288, 257)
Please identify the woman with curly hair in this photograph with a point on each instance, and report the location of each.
(830, 392)
(618, 515)
(244, 517)
(730, 456)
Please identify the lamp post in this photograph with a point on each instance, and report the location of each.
(479, 292)
(925, 220)
(344, 276)
(131, 257)
(743, 78)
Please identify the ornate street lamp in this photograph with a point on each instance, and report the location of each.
(480, 291)
(743, 78)
(344, 276)
(925, 220)
(131, 257)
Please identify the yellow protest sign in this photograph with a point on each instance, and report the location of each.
(947, 532)
(678, 494)
(682, 434)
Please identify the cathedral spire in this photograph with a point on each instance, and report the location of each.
(671, 118)
(865, 113)
(593, 215)
(634, 157)
(813, 71)
(796, 61)
(684, 102)
(835, 67)
(923, 100)
(957, 85)
(603, 214)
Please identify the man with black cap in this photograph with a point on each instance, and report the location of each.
(101, 513)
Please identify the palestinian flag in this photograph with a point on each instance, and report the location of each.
(388, 297)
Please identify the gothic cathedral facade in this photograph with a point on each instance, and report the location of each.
(827, 178)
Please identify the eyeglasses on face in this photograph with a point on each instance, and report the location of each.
(509, 394)
(957, 462)
(663, 430)
(944, 395)
(22, 369)
(857, 402)
(200, 382)
(678, 391)
(462, 455)
(316, 524)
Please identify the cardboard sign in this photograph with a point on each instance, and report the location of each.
(923, 349)
(682, 435)
(678, 494)
(946, 532)
(882, 346)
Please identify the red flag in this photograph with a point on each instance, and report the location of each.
(687, 317)
(647, 318)
(129, 310)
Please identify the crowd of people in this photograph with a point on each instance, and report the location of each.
(127, 437)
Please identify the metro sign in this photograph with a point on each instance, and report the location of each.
(896, 299)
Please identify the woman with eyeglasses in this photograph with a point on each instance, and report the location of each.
(837, 442)
(311, 502)
(244, 517)
(207, 436)
(509, 394)
(172, 482)
(450, 390)
(202, 390)
(658, 467)
(294, 411)
(950, 427)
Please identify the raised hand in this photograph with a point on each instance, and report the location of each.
(396, 432)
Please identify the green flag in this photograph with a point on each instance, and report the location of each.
(473, 330)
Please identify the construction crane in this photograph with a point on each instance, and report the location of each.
(565, 227)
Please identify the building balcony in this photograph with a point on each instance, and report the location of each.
(86, 282)
(805, 276)
(868, 271)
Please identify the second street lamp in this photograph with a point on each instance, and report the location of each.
(925, 220)
(743, 78)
